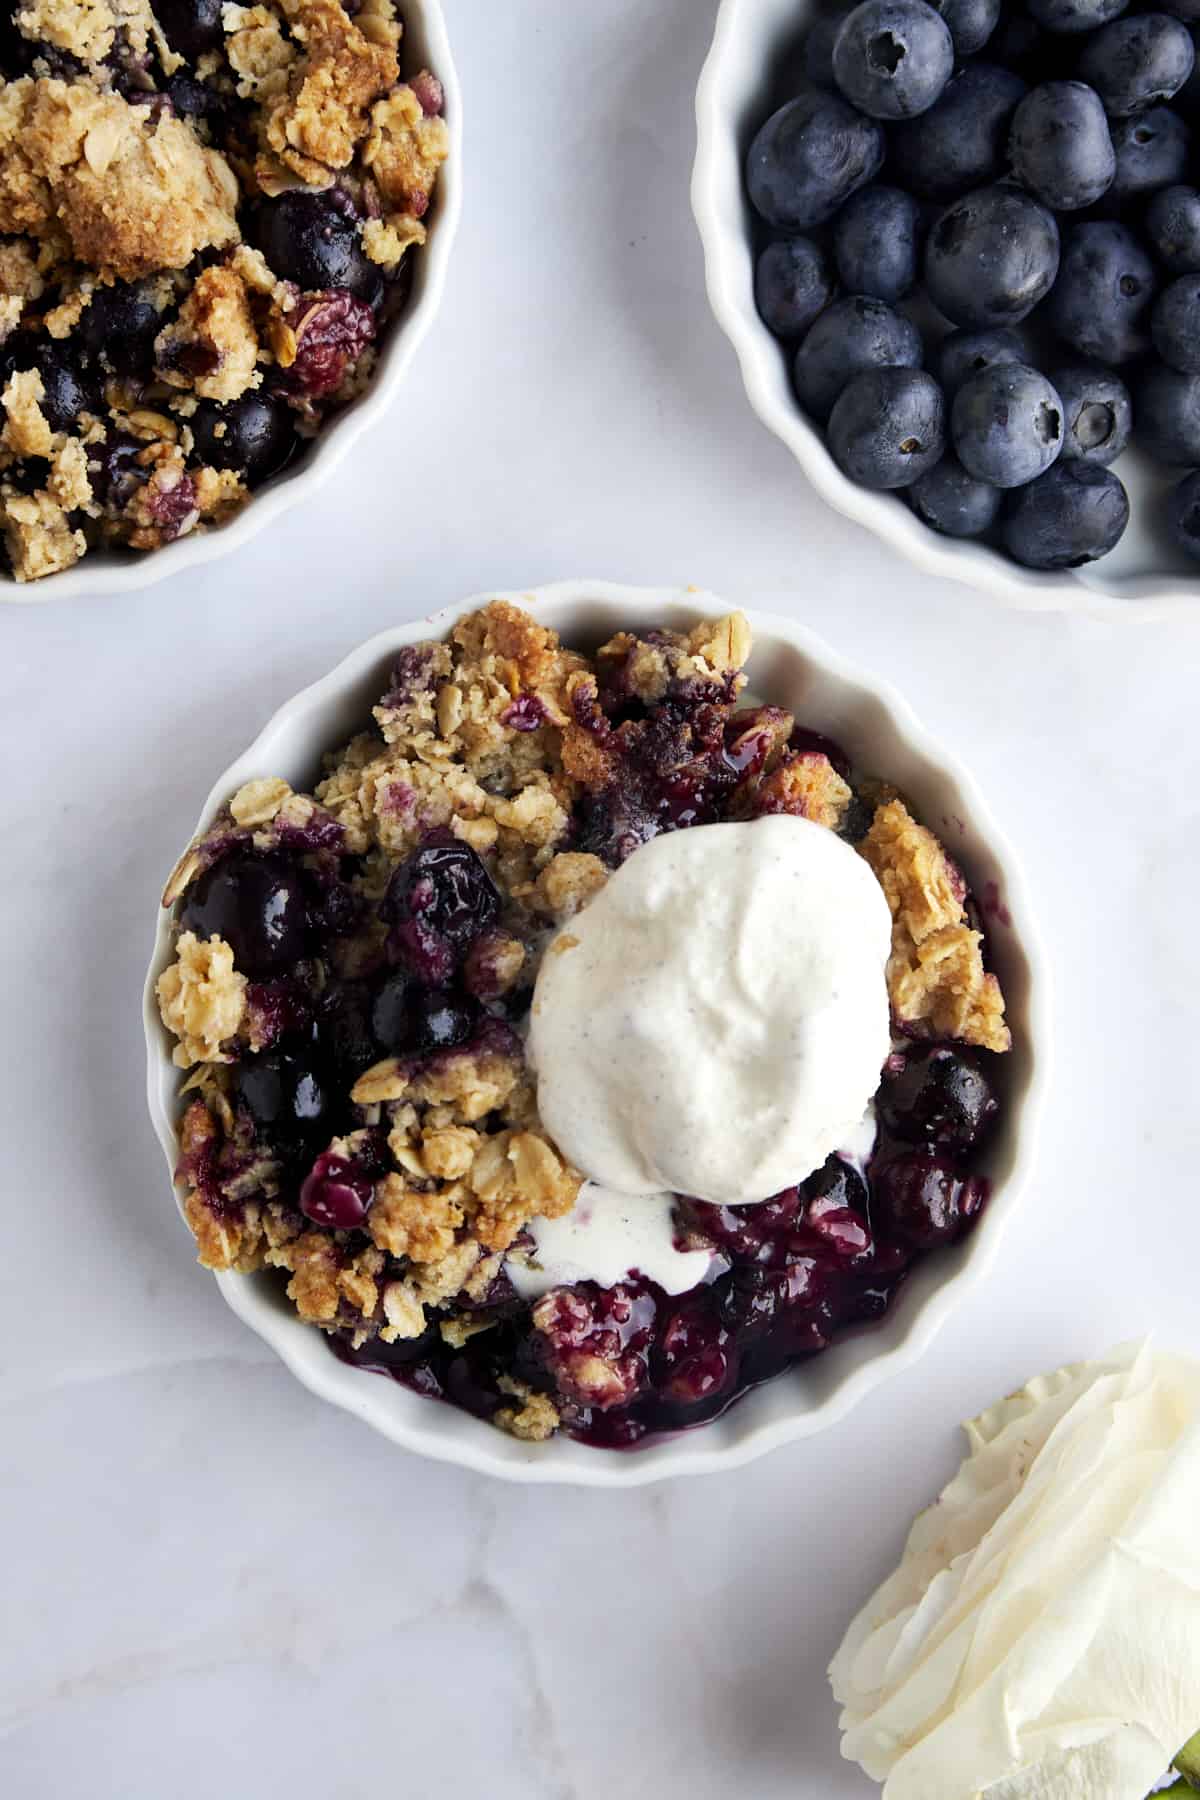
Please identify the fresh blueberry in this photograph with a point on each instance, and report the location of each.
(258, 905)
(437, 902)
(1069, 516)
(255, 435)
(1175, 324)
(938, 1095)
(809, 158)
(1101, 301)
(961, 143)
(119, 328)
(191, 27)
(965, 353)
(892, 58)
(440, 1019)
(1006, 423)
(953, 502)
(1152, 152)
(818, 45)
(888, 427)
(1167, 415)
(1137, 62)
(1019, 43)
(391, 1013)
(1173, 228)
(1097, 414)
(971, 23)
(850, 336)
(312, 239)
(1184, 514)
(875, 243)
(1075, 15)
(1060, 145)
(793, 283)
(991, 257)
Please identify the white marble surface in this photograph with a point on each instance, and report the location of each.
(215, 1584)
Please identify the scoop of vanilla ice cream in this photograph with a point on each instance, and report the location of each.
(715, 1022)
(1040, 1639)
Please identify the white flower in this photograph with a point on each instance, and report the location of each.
(1040, 1639)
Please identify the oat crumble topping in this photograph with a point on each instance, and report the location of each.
(207, 218)
(353, 967)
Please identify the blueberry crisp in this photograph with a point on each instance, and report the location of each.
(350, 994)
(207, 213)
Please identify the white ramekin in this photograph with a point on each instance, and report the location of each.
(795, 669)
(1144, 578)
(426, 45)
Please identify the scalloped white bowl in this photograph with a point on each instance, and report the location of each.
(744, 78)
(426, 45)
(793, 668)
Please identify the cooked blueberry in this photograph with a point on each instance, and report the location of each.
(1006, 423)
(849, 337)
(1097, 414)
(1137, 62)
(991, 257)
(1167, 414)
(313, 240)
(1075, 15)
(892, 58)
(1152, 152)
(1173, 228)
(961, 143)
(1175, 324)
(793, 282)
(694, 1358)
(875, 243)
(809, 158)
(193, 99)
(119, 328)
(282, 1093)
(1184, 514)
(965, 353)
(437, 901)
(1067, 517)
(953, 502)
(924, 1199)
(114, 470)
(888, 427)
(391, 1013)
(1060, 145)
(336, 1193)
(1100, 304)
(258, 905)
(440, 1019)
(971, 23)
(66, 390)
(255, 435)
(344, 1026)
(191, 27)
(938, 1095)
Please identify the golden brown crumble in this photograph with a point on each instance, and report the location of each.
(314, 125)
(534, 1420)
(212, 346)
(202, 998)
(936, 976)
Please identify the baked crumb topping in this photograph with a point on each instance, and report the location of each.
(205, 228)
(502, 779)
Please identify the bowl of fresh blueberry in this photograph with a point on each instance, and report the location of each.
(956, 247)
(341, 1012)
